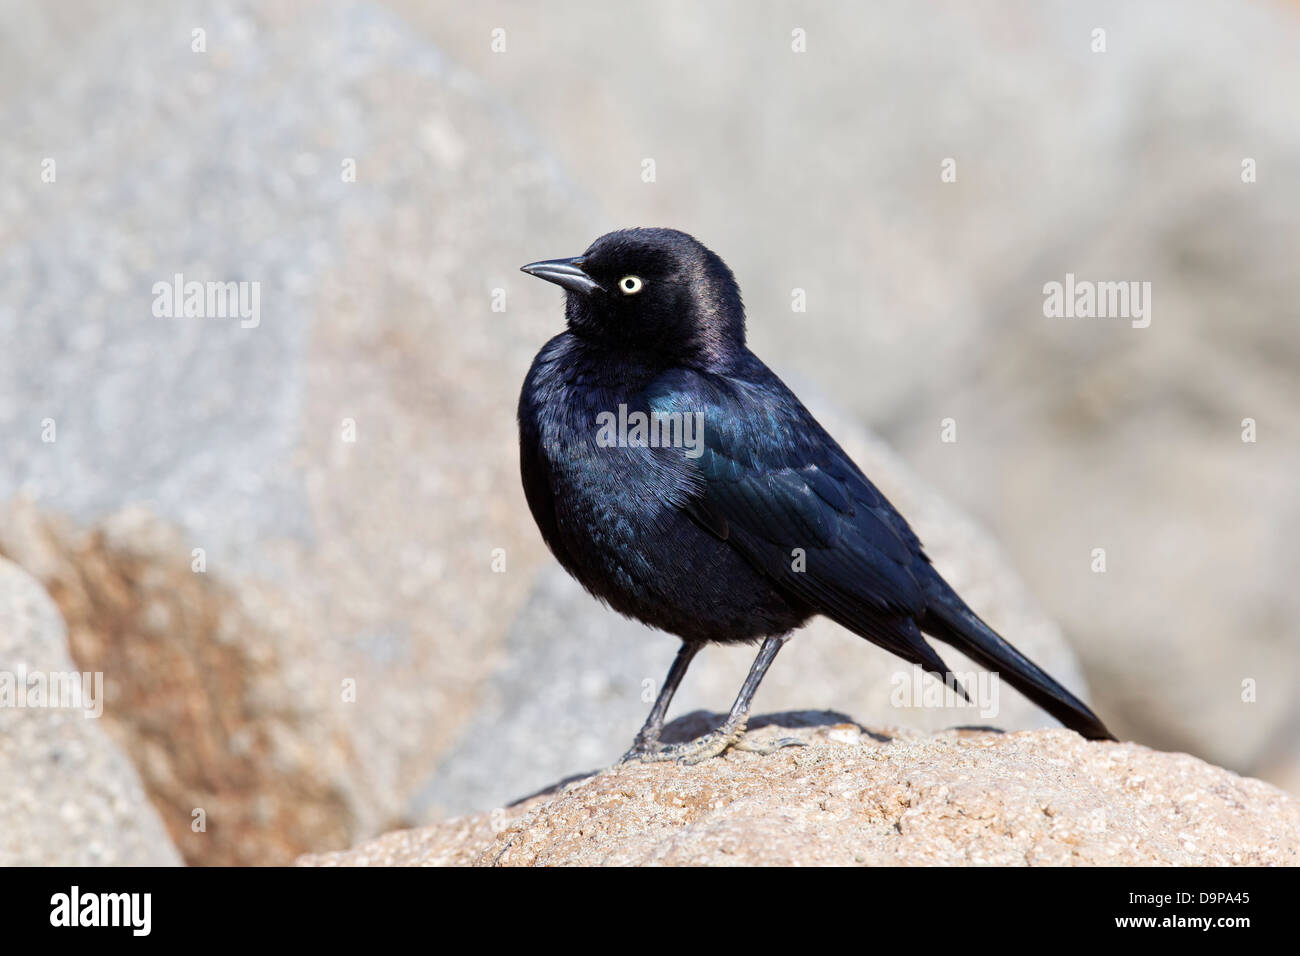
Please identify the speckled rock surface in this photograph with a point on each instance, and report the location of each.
(70, 796)
(1040, 798)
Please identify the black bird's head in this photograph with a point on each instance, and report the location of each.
(655, 291)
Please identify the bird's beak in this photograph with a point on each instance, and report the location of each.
(566, 273)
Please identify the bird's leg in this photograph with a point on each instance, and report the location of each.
(729, 734)
(647, 739)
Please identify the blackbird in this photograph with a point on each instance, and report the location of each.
(680, 481)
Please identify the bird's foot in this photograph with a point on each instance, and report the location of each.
(643, 750)
(771, 747)
(697, 750)
(702, 748)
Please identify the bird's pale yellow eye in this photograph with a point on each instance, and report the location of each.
(630, 285)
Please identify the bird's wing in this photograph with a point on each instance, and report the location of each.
(769, 480)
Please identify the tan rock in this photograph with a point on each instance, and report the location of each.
(1044, 797)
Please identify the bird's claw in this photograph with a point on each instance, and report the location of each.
(771, 746)
(702, 748)
(695, 751)
(642, 751)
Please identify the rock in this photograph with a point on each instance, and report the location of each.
(577, 679)
(295, 624)
(850, 797)
(70, 796)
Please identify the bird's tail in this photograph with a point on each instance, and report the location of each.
(950, 621)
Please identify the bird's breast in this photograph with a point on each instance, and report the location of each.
(609, 496)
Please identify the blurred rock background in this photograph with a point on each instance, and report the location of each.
(70, 795)
(349, 660)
